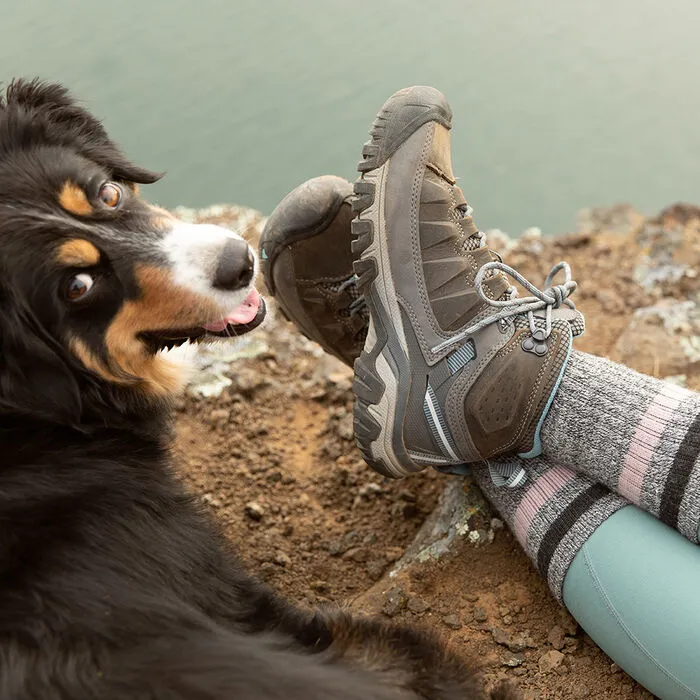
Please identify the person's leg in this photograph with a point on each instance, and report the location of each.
(627, 578)
(638, 435)
(633, 588)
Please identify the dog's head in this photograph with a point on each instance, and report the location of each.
(95, 282)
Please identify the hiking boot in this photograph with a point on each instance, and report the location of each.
(307, 265)
(456, 368)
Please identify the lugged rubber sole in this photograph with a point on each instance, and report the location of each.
(382, 375)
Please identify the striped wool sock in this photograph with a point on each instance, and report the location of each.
(637, 435)
(552, 514)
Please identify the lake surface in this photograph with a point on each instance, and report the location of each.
(558, 105)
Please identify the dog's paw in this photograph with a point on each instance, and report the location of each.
(413, 660)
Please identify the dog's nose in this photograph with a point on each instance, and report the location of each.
(236, 266)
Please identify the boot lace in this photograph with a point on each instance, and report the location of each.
(511, 305)
(358, 304)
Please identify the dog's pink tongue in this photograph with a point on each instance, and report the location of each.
(243, 313)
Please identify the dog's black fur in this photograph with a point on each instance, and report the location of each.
(113, 582)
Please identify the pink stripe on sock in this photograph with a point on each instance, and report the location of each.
(646, 438)
(536, 496)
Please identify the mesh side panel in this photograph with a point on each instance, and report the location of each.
(522, 322)
(470, 243)
(362, 333)
(578, 326)
(334, 288)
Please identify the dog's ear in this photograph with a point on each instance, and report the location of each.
(36, 376)
(63, 121)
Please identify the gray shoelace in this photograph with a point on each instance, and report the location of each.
(357, 304)
(552, 297)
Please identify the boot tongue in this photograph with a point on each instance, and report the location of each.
(472, 241)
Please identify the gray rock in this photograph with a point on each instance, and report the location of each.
(461, 509)
(512, 660)
(665, 241)
(663, 339)
(500, 636)
(395, 601)
(452, 621)
(480, 614)
(520, 643)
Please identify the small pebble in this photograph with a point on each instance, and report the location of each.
(254, 510)
(418, 606)
(556, 637)
(452, 621)
(282, 559)
(500, 636)
(512, 660)
(480, 614)
(395, 601)
(551, 660)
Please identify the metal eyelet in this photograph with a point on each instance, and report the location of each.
(504, 325)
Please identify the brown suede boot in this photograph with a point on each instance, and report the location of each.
(456, 368)
(307, 265)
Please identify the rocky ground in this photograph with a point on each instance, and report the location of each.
(265, 436)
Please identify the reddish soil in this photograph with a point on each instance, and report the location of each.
(273, 456)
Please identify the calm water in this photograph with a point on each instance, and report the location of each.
(559, 104)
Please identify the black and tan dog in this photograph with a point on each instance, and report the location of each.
(113, 583)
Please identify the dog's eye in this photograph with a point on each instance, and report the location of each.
(110, 195)
(78, 286)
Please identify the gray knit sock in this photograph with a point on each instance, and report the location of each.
(552, 514)
(637, 435)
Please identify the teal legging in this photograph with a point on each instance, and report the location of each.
(635, 588)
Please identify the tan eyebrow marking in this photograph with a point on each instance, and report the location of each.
(74, 200)
(78, 253)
